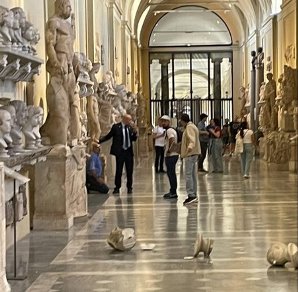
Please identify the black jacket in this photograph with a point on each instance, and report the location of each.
(117, 134)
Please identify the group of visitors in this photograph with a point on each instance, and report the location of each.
(195, 144)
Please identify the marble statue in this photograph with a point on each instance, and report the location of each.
(93, 118)
(203, 245)
(132, 110)
(82, 66)
(30, 128)
(270, 95)
(109, 84)
(6, 24)
(242, 97)
(253, 59)
(122, 239)
(19, 24)
(5, 127)
(247, 96)
(105, 115)
(31, 37)
(21, 117)
(59, 35)
(260, 57)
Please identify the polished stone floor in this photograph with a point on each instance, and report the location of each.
(243, 217)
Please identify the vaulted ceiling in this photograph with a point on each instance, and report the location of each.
(241, 16)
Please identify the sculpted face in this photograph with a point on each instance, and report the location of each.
(66, 9)
(5, 122)
(8, 19)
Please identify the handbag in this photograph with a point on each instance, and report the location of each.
(239, 144)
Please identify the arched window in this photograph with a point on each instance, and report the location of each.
(190, 26)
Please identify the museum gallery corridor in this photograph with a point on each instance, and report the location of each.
(243, 217)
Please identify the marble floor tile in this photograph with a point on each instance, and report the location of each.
(242, 216)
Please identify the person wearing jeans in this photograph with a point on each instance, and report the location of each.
(247, 155)
(159, 145)
(171, 157)
(190, 150)
(204, 140)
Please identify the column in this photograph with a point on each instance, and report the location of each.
(165, 85)
(3, 281)
(252, 92)
(217, 87)
(124, 51)
(111, 48)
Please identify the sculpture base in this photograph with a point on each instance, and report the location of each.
(60, 192)
(4, 286)
(293, 163)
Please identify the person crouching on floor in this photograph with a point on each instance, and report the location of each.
(94, 179)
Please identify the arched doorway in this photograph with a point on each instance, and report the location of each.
(190, 64)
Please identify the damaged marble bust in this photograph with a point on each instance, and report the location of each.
(5, 127)
(279, 254)
(122, 239)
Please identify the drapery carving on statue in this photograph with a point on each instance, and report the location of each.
(242, 97)
(270, 96)
(278, 147)
(132, 110)
(247, 96)
(105, 116)
(59, 36)
(93, 118)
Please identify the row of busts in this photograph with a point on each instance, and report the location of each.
(16, 31)
(19, 122)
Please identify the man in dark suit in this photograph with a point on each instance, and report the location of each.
(123, 134)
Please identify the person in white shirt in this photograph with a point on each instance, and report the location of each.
(247, 155)
(159, 144)
(171, 157)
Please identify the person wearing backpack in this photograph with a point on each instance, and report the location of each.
(190, 150)
(171, 156)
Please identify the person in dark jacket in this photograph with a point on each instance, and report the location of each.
(123, 134)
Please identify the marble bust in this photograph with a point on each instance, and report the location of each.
(6, 24)
(5, 127)
(21, 116)
(30, 127)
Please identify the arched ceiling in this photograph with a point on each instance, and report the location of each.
(241, 16)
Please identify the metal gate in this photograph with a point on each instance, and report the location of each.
(193, 107)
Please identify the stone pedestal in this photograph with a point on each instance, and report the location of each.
(293, 163)
(4, 286)
(60, 192)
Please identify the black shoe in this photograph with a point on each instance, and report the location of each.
(129, 190)
(170, 196)
(116, 191)
(162, 171)
(190, 200)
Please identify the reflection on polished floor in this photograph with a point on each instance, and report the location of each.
(243, 217)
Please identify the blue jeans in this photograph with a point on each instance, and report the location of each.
(171, 172)
(191, 175)
(246, 158)
(215, 148)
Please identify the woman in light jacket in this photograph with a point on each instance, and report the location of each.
(248, 143)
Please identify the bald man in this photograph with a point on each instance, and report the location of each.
(123, 134)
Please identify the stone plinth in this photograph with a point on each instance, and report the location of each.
(60, 192)
(293, 163)
(3, 281)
